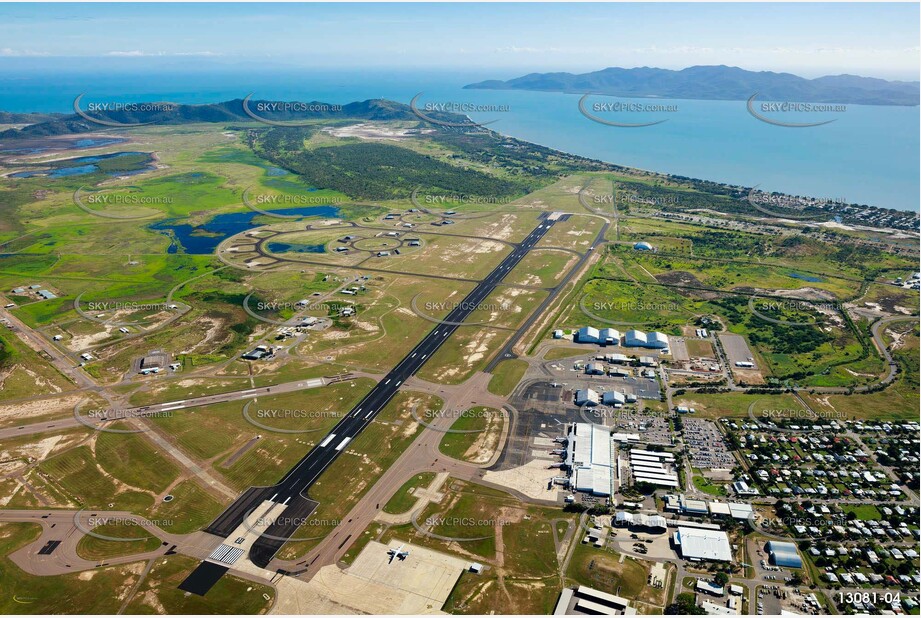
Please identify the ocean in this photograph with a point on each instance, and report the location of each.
(868, 155)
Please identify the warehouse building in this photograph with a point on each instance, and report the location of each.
(594, 369)
(613, 398)
(784, 554)
(655, 468)
(639, 339)
(702, 544)
(588, 334)
(586, 397)
(652, 524)
(589, 458)
(610, 336)
(585, 601)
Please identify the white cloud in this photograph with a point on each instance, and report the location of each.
(142, 54)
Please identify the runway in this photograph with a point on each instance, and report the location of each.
(292, 489)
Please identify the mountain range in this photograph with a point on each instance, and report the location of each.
(717, 83)
(227, 111)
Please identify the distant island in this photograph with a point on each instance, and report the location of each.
(721, 83)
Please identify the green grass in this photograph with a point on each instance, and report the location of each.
(75, 472)
(864, 512)
(476, 420)
(191, 509)
(132, 459)
(94, 548)
(55, 594)
(559, 353)
(403, 500)
(506, 376)
(602, 569)
(370, 533)
(159, 592)
(704, 485)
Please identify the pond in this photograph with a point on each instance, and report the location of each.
(80, 166)
(808, 278)
(284, 247)
(204, 239)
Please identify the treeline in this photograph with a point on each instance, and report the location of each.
(374, 171)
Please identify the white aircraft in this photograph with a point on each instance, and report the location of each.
(397, 553)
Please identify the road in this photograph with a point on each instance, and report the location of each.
(170, 406)
(293, 488)
(507, 350)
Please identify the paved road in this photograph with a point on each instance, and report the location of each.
(38, 343)
(293, 488)
(507, 350)
(161, 408)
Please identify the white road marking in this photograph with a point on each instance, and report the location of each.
(328, 439)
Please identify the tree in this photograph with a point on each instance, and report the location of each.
(684, 606)
(721, 578)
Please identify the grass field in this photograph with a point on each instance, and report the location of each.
(603, 570)
(159, 592)
(481, 427)
(95, 548)
(506, 376)
(707, 486)
(487, 517)
(403, 499)
(28, 594)
(76, 473)
(191, 509)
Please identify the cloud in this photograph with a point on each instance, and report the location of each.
(142, 54)
(9, 52)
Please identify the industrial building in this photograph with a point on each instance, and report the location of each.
(613, 398)
(610, 336)
(681, 504)
(653, 467)
(588, 456)
(588, 334)
(784, 554)
(639, 339)
(586, 397)
(652, 524)
(585, 601)
(594, 369)
(702, 544)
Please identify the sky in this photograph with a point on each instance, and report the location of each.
(809, 39)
